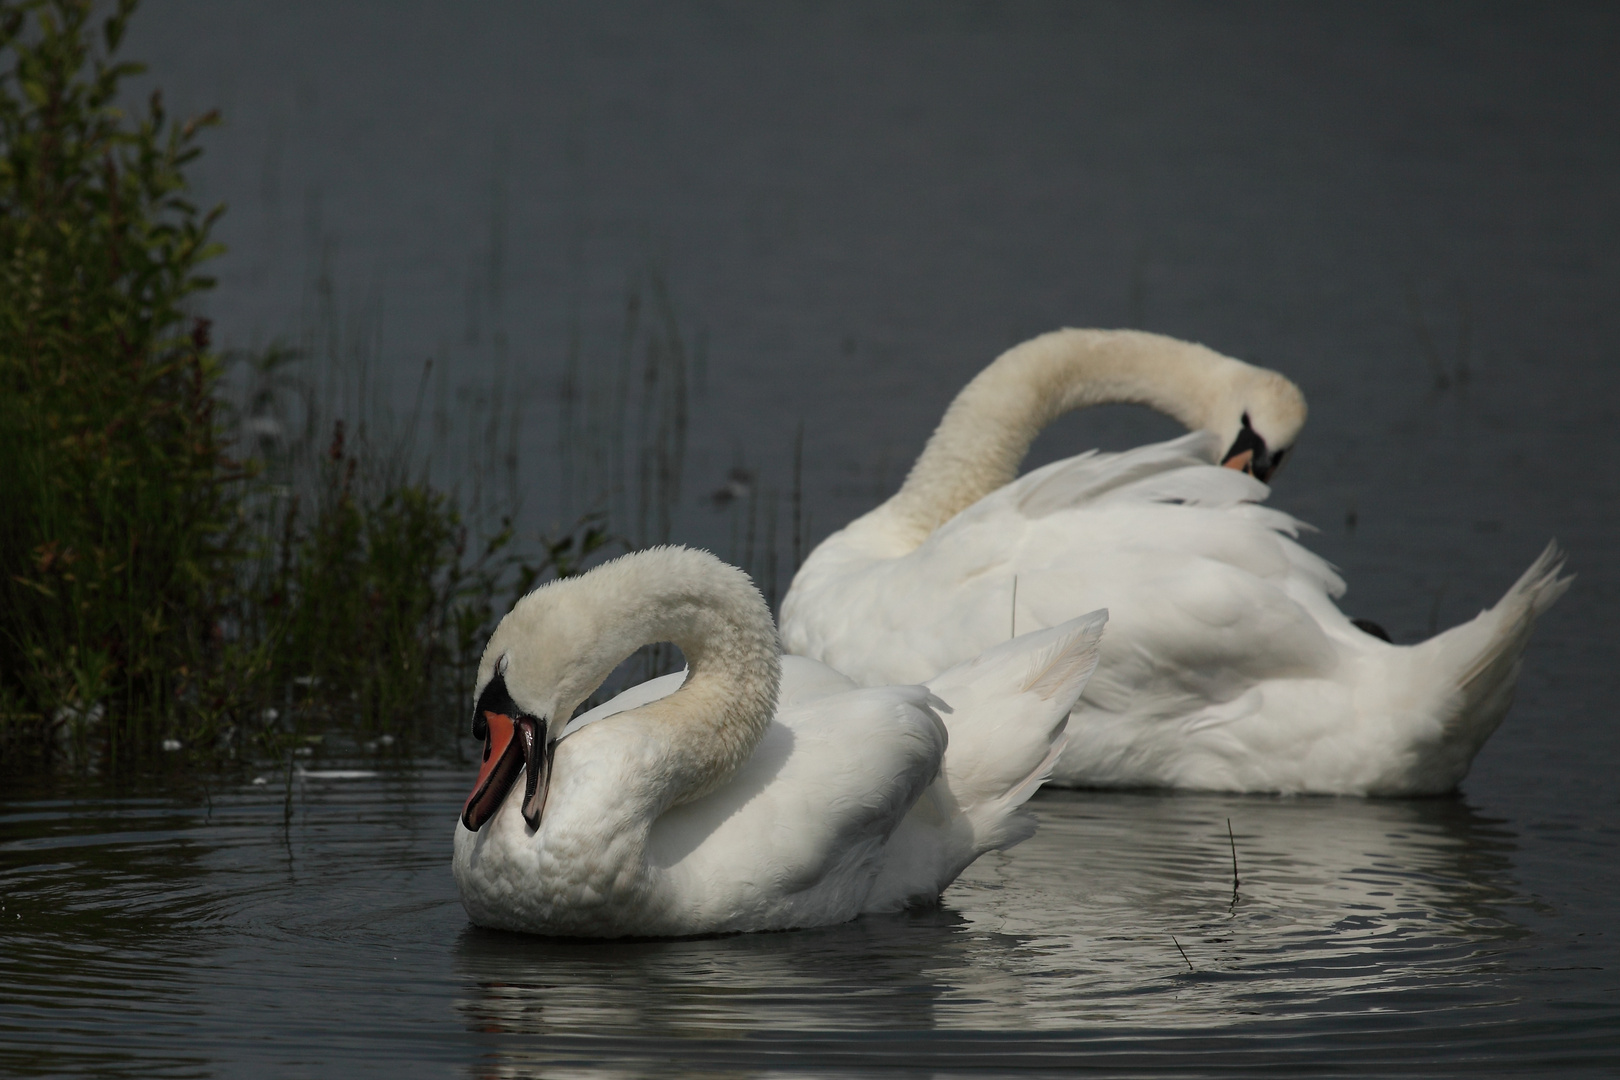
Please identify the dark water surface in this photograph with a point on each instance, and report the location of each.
(1409, 209)
(235, 933)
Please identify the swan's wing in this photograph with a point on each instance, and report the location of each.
(1177, 473)
(1181, 471)
(1201, 602)
(1197, 576)
(1087, 478)
(800, 828)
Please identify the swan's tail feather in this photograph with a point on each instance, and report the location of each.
(1487, 683)
(1068, 661)
(1004, 713)
(1481, 660)
(1008, 710)
(1003, 823)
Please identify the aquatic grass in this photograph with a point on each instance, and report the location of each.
(370, 588)
(375, 590)
(623, 418)
(1184, 956)
(1232, 843)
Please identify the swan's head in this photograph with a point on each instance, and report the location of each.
(1260, 418)
(559, 643)
(547, 655)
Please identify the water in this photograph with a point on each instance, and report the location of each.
(259, 930)
(1409, 210)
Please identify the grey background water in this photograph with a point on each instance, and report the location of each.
(1410, 210)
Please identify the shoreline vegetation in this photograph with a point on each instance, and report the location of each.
(199, 560)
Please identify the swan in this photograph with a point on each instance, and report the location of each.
(751, 792)
(1227, 665)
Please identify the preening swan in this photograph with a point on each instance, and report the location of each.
(752, 792)
(1227, 665)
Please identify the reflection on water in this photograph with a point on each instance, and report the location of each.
(147, 935)
(1335, 897)
(881, 972)
(1339, 901)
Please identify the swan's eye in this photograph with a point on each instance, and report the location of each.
(494, 699)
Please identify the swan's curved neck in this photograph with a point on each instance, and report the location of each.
(984, 435)
(712, 613)
(716, 719)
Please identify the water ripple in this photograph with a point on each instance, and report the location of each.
(186, 935)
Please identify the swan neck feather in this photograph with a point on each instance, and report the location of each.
(987, 430)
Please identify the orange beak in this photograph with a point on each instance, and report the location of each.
(1250, 454)
(514, 742)
(503, 760)
(1242, 462)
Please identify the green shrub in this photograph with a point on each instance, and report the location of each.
(119, 537)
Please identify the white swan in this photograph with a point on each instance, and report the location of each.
(703, 803)
(1227, 665)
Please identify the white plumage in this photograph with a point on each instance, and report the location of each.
(1227, 665)
(705, 802)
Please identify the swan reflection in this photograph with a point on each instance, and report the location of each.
(1342, 907)
(1336, 899)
